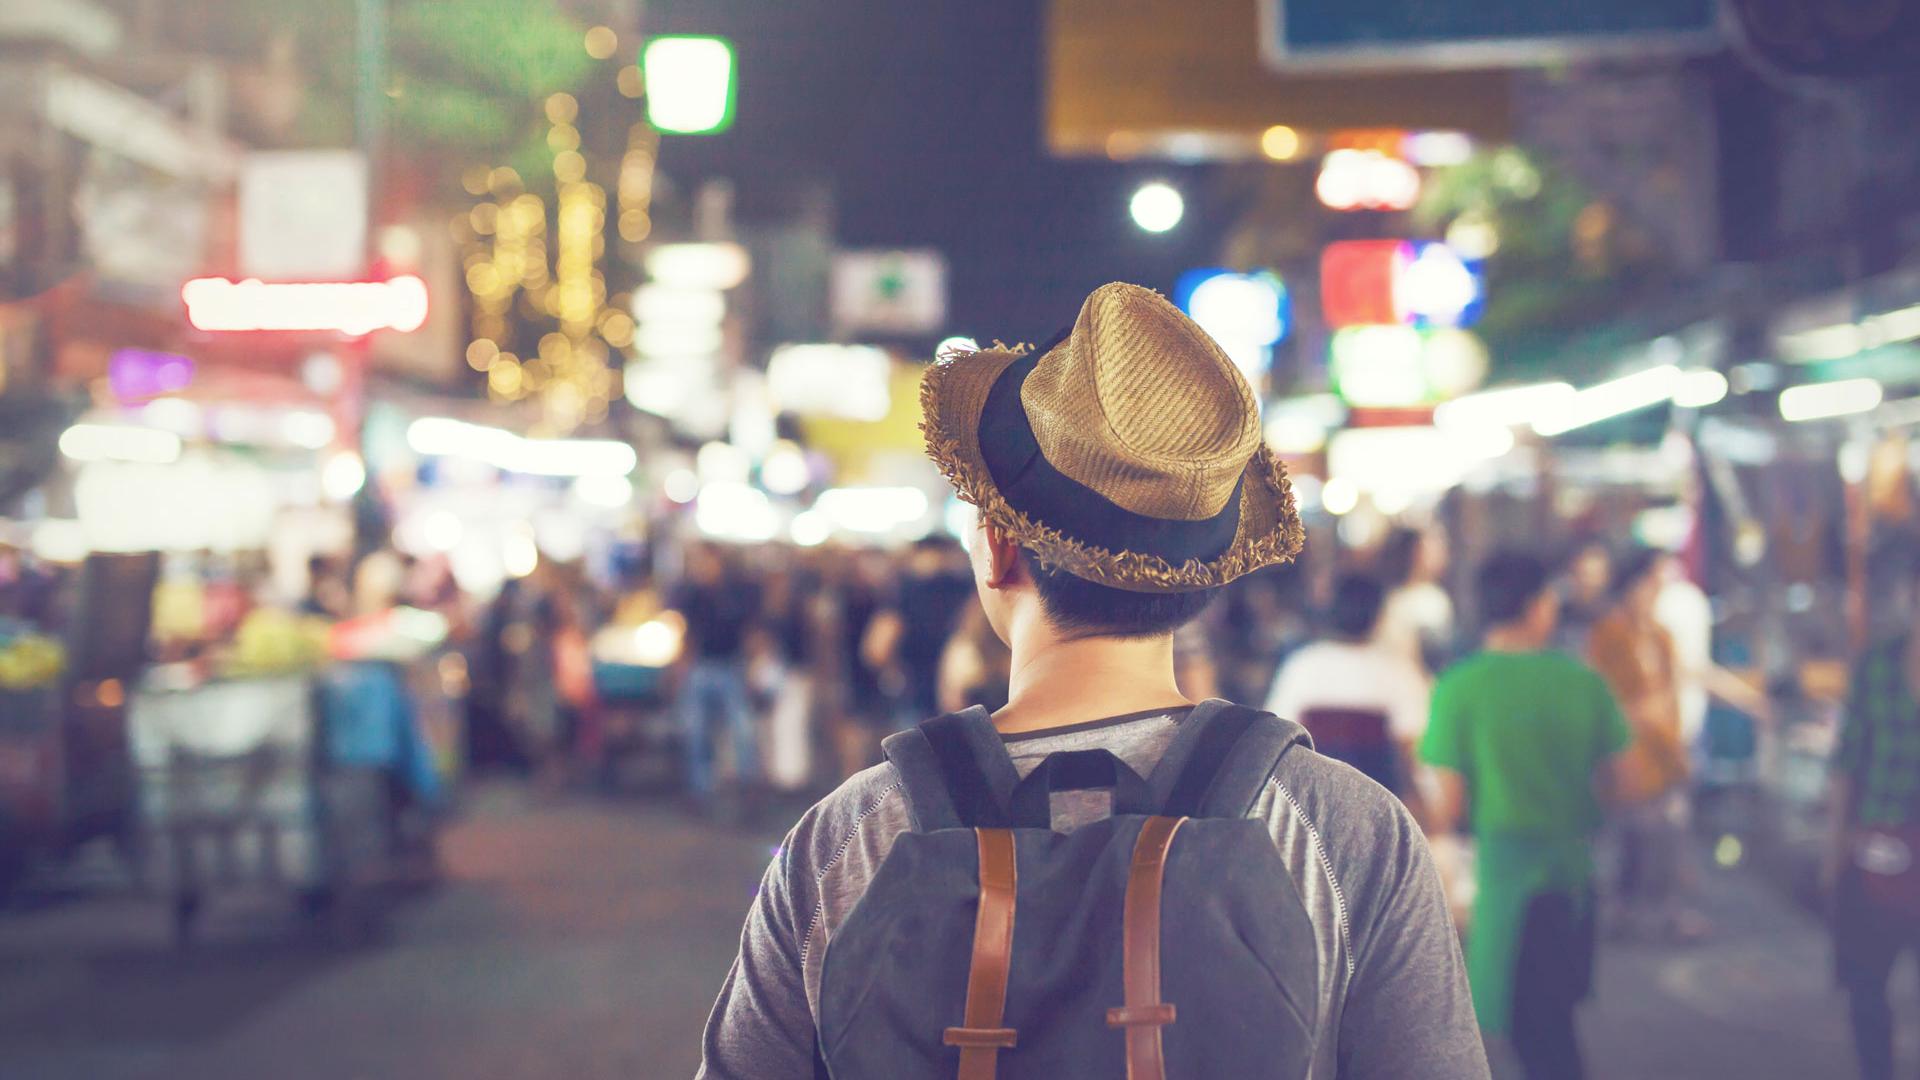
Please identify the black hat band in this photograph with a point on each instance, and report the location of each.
(1032, 485)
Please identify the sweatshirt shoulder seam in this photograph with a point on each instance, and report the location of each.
(820, 877)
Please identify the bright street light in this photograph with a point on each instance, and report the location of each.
(1822, 401)
(690, 85)
(1157, 207)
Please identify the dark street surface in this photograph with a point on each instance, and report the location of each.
(585, 939)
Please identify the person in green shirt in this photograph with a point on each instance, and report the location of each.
(1521, 739)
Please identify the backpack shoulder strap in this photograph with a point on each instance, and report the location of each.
(1221, 760)
(956, 771)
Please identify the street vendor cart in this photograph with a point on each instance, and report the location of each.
(237, 795)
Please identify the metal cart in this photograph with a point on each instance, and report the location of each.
(237, 795)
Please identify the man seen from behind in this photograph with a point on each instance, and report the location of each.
(1103, 877)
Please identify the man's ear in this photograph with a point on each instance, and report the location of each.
(1004, 566)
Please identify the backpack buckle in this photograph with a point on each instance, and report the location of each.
(1156, 1015)
(980, 1037)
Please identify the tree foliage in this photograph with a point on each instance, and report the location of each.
(463, 80)
(1563, 256)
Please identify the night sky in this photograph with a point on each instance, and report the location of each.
(925, 116)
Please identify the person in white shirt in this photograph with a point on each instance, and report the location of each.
(1363, 703)
(1416, 618)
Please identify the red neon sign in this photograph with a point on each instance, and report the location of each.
(353, 308)
(1357, 281)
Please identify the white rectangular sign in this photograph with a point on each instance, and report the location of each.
(889, 292)
(303, 215)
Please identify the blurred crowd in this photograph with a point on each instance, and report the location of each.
(743, 671)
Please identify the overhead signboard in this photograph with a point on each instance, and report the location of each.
(1418, 283)
(1186, 79)
(1420, 33)
(889, 293)
(303, 215)
(353, 308)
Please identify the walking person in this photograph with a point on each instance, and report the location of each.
(1520, 733)
(1102, 877)
(1874, 857)
(1416, 620)
(718, 607)
(913, 632)
(780, 670)
(1635, 654)
(1363, 704)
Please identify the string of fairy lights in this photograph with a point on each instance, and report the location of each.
(516, 271)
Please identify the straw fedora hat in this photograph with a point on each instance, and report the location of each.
(1127, 451)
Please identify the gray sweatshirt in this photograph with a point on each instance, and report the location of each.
(1393, 989)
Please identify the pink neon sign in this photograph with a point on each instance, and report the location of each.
(353, 308)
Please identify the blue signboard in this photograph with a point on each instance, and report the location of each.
(1453, 33)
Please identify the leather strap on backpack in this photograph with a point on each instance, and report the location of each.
(982, 1038)
(1145, 1014)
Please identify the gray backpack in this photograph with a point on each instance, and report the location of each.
(1165, 940)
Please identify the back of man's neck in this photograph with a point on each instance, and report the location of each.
(1057, 683)
(1508, 639)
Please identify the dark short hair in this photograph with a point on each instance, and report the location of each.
(1510, 581)
(1633, 568)
(1398, 554)
(1080, 608)
(1356, 605)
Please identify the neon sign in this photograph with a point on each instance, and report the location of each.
(1425, 284)
(353, 308)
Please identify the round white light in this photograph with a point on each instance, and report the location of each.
(342, 477)
(784, 471)
(1339, 496)
(1157, 207)
(681, 486)
(811, 528)
(520, 556)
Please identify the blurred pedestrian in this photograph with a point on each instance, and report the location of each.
(975, 666)
(1873, 867)
(1520, 734)
(718, 607)
(1363, 703)
(1324, 950)
(1635, 654)
(1416, 620)
(867, 640)
(491, 732)
(912, 633)
(780, 671)
(1584, 594)
(327, 595)
(583, 735)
